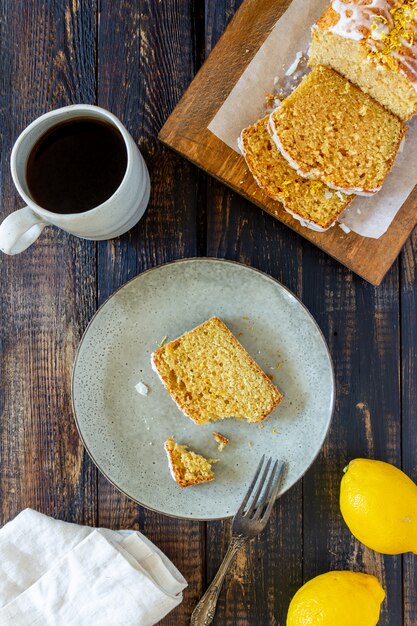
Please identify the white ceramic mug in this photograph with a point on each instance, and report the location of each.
(110, 219)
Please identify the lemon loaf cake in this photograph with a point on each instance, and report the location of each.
(373, 43)
(187, 468)
(328, 129)
(310, 202)
(210, 376)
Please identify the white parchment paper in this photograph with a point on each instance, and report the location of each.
(369, 217)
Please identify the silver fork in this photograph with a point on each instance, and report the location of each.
(249, 521)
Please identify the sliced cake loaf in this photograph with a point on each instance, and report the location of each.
(187, 468)
(210, 376)
(330, 130)
(309, 201)
(373, 43)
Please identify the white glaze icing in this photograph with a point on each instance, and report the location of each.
(142, 388)
(170, 465)
(290, 71)
(358, 191)
(357, 17)
(308, 223)
(287, 157)
(345, 228)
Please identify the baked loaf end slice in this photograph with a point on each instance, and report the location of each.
(187, 468)
(311, 201)
(330, 130)
(211, 376)
(373, 44)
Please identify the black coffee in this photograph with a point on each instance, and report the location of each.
(76, 165)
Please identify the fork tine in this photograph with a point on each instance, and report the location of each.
(274, 493)
(261, 485)
(251, 486)
(265, 495)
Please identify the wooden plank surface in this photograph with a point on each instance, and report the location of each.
(136, 58)
(145, 51)
(408, 308)
(48, 292)
(186, 132)
(361, 325)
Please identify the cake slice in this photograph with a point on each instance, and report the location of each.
(375, 46)
(310, 202)
(187, 468)
(330, 130)
(211, 377)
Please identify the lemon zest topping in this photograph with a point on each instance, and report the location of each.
(390, 42)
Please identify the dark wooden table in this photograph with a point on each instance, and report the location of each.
(136, 57)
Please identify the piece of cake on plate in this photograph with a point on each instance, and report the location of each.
(221, 440)
(311, 202)
(330, 130)
(187, 467)
(373, 43)
(211, 376)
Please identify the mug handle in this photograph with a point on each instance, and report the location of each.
(19, 230)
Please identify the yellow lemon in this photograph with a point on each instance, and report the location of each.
(379, 504)
(337, 599)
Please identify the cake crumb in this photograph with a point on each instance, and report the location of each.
(187, 468)
(275, 431)
(270, 100)
(221, 440)
(142, 388)
(162, 342)
(294, 64)
(345, 228)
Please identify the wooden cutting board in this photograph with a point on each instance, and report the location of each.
(186, 132)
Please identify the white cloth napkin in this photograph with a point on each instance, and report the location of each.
(60, 574)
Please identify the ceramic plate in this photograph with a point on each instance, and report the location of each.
(124, 431)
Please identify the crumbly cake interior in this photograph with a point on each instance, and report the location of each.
(334, 132)
(188, 467)
(311, 200)
(211, 376)
(390, 88)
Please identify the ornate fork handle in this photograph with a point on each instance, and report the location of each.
(203, 613)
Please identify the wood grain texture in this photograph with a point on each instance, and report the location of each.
(147, 52)
(361, 326)
(48, 292)
(186, 132)
(408, 307)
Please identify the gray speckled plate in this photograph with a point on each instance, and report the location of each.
(124, 432)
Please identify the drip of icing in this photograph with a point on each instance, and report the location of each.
(356, 18)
